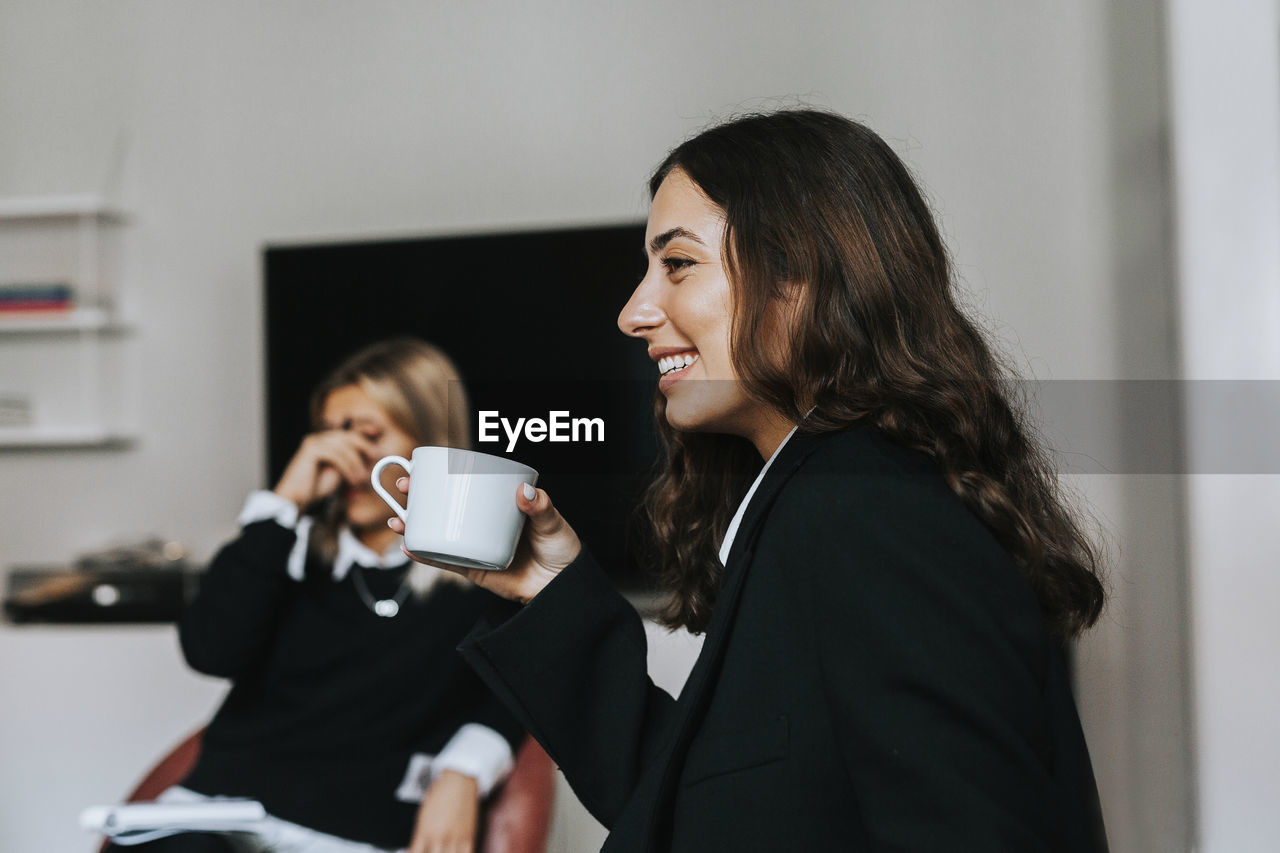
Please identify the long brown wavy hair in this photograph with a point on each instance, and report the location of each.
(825, 221)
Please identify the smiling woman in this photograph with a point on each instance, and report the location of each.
(683, 308)
(848, 506)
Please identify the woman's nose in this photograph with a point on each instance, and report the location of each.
(642, 313)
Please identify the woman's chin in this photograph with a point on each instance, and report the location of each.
(367, 511)
(685, 421)
(706, 407)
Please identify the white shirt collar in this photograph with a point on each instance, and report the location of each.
(352, 551)
(732, 532)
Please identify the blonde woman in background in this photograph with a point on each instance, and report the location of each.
(350, 717)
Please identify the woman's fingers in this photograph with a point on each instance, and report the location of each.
(367, 447)
(344, 452)
(531, 500)
(552, 542)
(323, 461)
(544, 518)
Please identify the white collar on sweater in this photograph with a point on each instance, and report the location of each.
(352, 551)
(264, 505)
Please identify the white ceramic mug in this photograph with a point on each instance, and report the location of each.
(462, 505)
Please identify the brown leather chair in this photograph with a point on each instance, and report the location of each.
(515, 819)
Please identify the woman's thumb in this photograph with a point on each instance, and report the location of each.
(536, 504)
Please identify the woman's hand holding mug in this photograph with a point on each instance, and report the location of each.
(547, 545)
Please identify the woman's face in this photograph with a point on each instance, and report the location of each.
(682, 308)
(350, 408)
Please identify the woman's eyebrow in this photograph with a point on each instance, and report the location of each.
(352, 422)
(657, 244)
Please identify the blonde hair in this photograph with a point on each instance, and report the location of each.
(414, 382)
(419, 388)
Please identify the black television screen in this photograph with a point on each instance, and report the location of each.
(530, 320)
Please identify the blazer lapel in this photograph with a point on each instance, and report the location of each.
(695, 694)
(797, 449)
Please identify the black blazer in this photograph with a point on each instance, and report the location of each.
(876, 676)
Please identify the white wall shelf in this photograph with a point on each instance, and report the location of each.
(37, 438)
(58, 206)
(64, 373)
(51, 323)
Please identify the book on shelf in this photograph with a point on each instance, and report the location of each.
(27, 297)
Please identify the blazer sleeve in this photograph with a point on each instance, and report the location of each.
(489, 710)
(934, 664)
(227, 627)
(484, 746)
(572, 665)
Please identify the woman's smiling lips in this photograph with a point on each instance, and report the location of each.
(672, 364)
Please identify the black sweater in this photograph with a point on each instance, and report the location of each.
(328, 700)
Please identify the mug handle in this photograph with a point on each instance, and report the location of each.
(376, 477)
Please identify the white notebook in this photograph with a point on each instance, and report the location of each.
(134, 823)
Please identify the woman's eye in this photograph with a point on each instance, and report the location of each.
(674, 264)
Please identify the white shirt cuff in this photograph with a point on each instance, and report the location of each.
(268, 506)
(479, 752)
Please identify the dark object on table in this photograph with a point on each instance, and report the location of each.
(145, 583)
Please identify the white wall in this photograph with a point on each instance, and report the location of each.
(1225, 66)
(1036, 127)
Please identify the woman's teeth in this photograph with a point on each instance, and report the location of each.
(672, 363)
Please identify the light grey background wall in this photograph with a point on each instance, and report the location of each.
(1039, 129)
(1226, 85)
